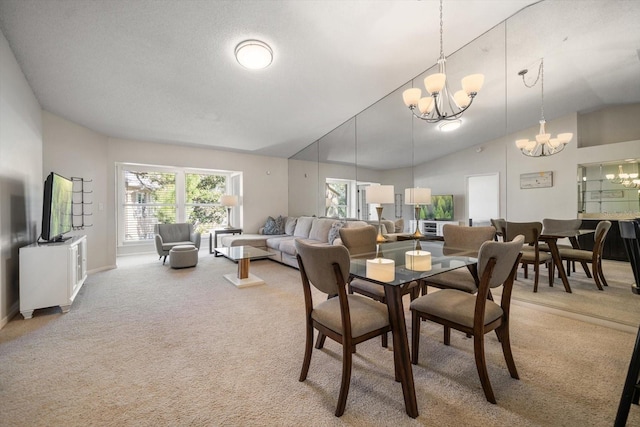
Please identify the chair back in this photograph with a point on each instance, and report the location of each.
(505, 254)
(317, 263)
(359, 240)
(557, 225)
(499, 224)
(458, 238)
(529, 230)
(630, 233)
(601, 233)
(179, 232)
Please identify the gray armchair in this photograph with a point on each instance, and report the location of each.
(170, 235)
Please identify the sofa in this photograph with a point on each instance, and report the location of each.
(312, 230)
(169, 235)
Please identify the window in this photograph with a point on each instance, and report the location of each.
(153, 195)
(339, 198)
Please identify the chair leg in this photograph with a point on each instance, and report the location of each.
(596, 276)
(551, 268)
(602, 279)
(503, 333)
(415, 336)
(447, 335)
(568, 268)
(320, 340)
(536, 273)
(308, 348)
(346, 377)
(481, 365)
(585, 267)
(385, 340)
(525, 267)
(165, 258)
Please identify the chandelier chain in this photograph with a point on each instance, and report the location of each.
(441, 31)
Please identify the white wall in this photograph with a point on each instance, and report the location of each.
(20, 175)
(75, 151)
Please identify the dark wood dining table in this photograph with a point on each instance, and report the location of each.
(551, 239)
(440, 263)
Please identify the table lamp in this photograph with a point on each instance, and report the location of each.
(379, 194)
(229, 200)
(417, 197)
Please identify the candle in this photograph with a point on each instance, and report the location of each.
(418, 260)
(381, 269)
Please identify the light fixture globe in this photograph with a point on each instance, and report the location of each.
(254, 54)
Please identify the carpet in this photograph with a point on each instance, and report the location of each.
(146, 345)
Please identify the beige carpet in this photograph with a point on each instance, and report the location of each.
(146, 345)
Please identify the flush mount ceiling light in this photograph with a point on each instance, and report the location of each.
(449, 126)
(439, 105)
(543, 145)
(254, 54)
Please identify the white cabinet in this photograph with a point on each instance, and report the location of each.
(430, 228)
(52, 274)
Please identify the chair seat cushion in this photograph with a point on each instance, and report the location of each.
(529, 256)
(460, 279)
(578, 254)
(373, 288)
(545, 247)
(455, 306)
(366, 315)
(169, 246)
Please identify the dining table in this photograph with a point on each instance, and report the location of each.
(401, 278)
(551, 239)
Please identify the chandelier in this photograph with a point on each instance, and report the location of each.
(543, 145)
(439, 105)
(628, 180)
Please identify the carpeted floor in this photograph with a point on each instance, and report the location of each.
(147, 345)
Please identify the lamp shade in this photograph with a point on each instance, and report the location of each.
(380, 194)
(411, 96)
(473, 83)
(229, 200)
(435, 82)
(417, 196)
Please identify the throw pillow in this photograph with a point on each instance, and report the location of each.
(271, 227)
(280, 224)
(290, 225)
(399, 225)
(334, 232)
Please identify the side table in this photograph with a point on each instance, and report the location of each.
(213, 237)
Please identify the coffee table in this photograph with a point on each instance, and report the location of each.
(242, 255)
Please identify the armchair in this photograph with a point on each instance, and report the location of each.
(170, 235)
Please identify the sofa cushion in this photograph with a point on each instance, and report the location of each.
(303, 226)
(320, 229)
(355, 223)
(399, 225)
(255, 240)
(274, 242)
(290, 225)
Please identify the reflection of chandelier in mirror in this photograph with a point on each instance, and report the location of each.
(440, 105)
(543, 145)
(628, 180)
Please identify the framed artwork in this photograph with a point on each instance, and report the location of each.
(606, 194)
(398, 205)
(536, 180)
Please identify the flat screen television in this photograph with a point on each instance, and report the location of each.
(440, 209)
(56, 208)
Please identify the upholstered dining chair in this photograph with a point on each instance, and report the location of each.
(361, 242)
(499, 224)
(347, 319)
(475, 314)
(466, 240)
(550, 226)
(594, 256)
(531, 253)
(630, 233)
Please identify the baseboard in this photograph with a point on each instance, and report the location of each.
(15, 308)
(104, 268)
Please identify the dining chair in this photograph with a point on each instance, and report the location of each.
(466, 241)
(475, 314)
(361, 242)
(531, 254)
(347, 319)
(594, 256)
(630, 234)
(499, 224)
(550, 226)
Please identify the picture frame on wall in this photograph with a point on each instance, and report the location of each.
(536, 180)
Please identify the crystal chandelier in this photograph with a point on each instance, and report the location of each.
(628, 180)
(439, 105)
(543, 145)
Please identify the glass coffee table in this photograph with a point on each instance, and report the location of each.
(242, 255)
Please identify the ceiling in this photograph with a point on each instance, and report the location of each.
(164, 71)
